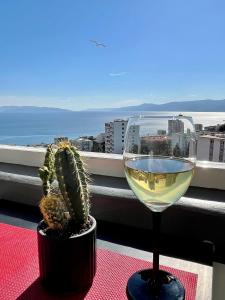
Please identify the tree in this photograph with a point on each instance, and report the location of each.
(177, 151)
(222, 128)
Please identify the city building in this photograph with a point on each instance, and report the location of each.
(100, 138)
(115, 136)
(175, 126)
(99, 143)
(198, 127)
(83, 144)
(156, 144)
(211, 148)
(183, 144)
(213, 128)
(161, 132)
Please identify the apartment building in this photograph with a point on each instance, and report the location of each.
(83, 144)
(198, 127)
(161, 132)
(100, 138)
(175, 126)
(115, 135)
(214, 128)
(211, 148)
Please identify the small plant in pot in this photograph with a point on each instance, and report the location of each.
(67, 233)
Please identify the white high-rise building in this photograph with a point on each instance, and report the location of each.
(211, 148)
(198, 127)
(175, 126)
(115, 136)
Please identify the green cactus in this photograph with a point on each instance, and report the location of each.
(54, 212)
(70, 201)
(72, 187)
(83, 177)
(47, 173)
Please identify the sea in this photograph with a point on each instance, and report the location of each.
(37, 128)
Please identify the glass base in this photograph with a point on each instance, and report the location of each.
(141, 286)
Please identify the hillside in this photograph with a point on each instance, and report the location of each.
(30, 109)
(196, 105)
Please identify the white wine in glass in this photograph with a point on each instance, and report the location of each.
(158, 182)
(159, 160)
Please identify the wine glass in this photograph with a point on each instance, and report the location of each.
(159, 160)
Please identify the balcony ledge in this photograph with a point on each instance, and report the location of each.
(196, 219)
(207, 174)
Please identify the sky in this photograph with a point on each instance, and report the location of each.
(155, 51)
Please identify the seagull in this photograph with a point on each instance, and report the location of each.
(97, 44)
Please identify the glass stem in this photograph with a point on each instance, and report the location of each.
(156, 218)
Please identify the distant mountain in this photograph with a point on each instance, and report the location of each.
(181, 106)
(31, 109)
(196, 105)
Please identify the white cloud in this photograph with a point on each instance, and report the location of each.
(118, 74)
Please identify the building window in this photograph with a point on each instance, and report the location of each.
(211, 150)
(221, 151)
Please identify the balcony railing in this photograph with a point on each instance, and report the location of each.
(207, 174)
(195, 220)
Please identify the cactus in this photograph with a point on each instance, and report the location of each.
(84, 179)
(54, 213)
(72, 187)
(69, 203)
(47, 173)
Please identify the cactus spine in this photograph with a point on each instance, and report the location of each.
(47, 173)
(71, 204)
(72, 187)
(84, 179)
(53, 211)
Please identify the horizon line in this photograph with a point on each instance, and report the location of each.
(105, 108)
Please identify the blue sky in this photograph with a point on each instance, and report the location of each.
(157, 51)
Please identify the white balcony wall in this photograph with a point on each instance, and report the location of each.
(207, 174)
(216, 150)
(203, 148)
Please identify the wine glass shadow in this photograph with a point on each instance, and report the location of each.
(37, 291)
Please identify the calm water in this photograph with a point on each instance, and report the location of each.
(35, 128)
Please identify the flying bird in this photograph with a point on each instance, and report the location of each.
(97, 44)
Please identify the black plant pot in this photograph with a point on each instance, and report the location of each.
(67, 264)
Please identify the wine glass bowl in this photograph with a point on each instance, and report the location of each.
(159, 160)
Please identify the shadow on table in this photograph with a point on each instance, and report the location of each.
(36, 291)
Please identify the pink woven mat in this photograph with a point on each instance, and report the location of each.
(19, 271)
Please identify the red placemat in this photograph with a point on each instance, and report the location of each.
(19, 271)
